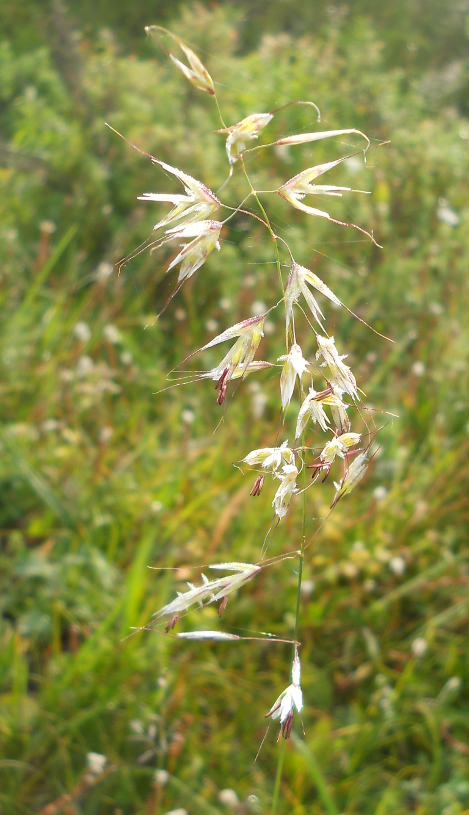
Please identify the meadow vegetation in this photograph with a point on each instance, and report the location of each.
(102, 478)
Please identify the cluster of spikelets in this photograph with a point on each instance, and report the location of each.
(190, 222)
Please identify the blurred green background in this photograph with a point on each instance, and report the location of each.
(101, 478)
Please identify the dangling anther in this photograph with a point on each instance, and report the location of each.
(258, 484)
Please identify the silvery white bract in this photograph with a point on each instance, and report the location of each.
(236, 362)
(338, 446)
(197, 74)
(294, 190)
(271, 458)
(211, 590)
(340, 374)
(298, 283)
(289, 700)
(197, 204)
(193, 255)
(354, 474)
(287, 475)
(245, 130)
(311, 410)
(294, 365)
(306, 138)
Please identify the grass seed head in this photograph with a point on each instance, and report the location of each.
(198, 202)
(305, 138)
(338, 409)
(294, 365)
(245, 130)
(287, 488)
(193, 255)
(271, 458)
(338, 446)
(211, 590)
(290, 699)
(295, 189)
(239, 359)
(354, 474)
(311, 410)
(197, 74)
(340, 374)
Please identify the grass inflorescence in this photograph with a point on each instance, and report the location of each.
(100, 479)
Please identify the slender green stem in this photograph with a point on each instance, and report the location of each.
(302, 549)
(281, 753)
(324, 794)
(269, 227)
(219, 111)
(278, 777)
(238, 209)
(303, 531)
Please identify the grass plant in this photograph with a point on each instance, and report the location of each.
(286, 463)
(101, 479)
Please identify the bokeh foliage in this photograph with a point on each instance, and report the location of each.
(102, 478)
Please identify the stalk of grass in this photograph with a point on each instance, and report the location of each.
(341, 691)
(197, 206)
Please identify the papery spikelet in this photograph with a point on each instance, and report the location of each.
(287, 488)
(193, 255)
(252, 329)
(245, 130)
(292, 295)
(311, 410)
(214, 590)
(251, 368)
(207, 635)
(197, 74)
(354, 474)
(289, 700)
(348, 440)
(298, 281)
(241, 371)
(240, 357)
(305, 138)
(294, 190)
(294, 366)
(340, 374)
(199, 202)
(338, 446)
(271, 458)
(338, 410)
(300, 185)
(205, 236)
(307, 277)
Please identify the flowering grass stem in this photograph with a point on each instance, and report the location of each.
(301, 555)
(282, 463)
